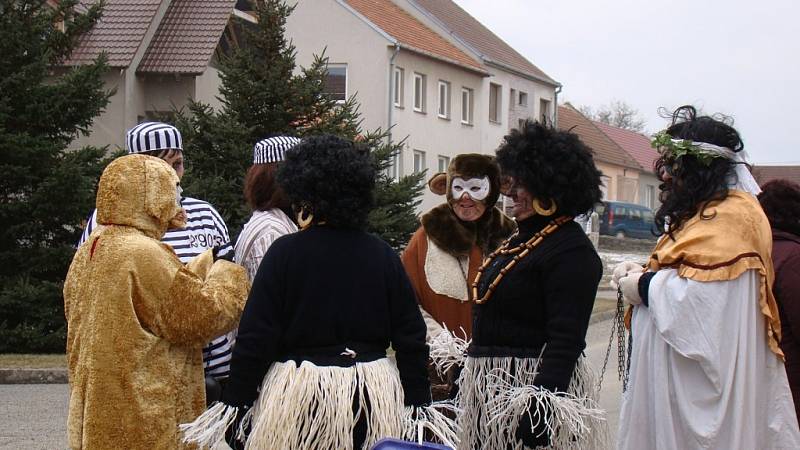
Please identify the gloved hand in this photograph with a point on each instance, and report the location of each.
(622, 270)
(224, 251)
(532, 428)
(630, 288)
(213, 390)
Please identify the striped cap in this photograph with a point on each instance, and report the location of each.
(149, 136)
(272, 149)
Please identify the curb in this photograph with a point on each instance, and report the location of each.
(33, 376)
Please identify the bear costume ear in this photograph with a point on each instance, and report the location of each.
(438, 183)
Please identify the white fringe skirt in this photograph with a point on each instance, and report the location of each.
(312, 407)
(494, 393)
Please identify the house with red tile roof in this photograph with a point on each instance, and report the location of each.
(412, 72)
(162, 54)
(766, 173)
(637, 146)
(621, 171)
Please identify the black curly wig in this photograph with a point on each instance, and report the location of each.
(551, 165)
(332, 177)
(780, 200)
(687, 185)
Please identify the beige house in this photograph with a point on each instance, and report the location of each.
(411, 70)
(162, 53)
(620, 170)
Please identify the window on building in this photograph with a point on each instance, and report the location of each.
(444, 100)
(523, 98)
(444, 162)
(395, 170)
(604, 187)
(419, 161)
(544, 111)
(466, 105)
(419, 92)
(398, 87)
(495, 102)
(650, 196)
(336, 82)
(512, 96)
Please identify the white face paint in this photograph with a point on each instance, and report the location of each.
(477, 188)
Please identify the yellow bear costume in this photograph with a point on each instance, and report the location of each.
(137, 318)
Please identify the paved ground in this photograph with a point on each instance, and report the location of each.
(34, 415)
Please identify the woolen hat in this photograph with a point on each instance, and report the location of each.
(272, 149)
(151, 136)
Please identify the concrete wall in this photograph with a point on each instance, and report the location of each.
(109, 127)
(614, 188)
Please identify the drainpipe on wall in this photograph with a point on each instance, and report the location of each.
(555, 107)
(391, 91)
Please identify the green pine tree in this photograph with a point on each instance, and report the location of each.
(263, 94)
(45, 190)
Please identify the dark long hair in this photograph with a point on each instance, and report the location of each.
(687, 185)
(780, 200)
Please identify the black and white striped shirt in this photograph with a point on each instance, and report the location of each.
(204, 230)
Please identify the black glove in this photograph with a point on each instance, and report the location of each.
(531, 433)
(213, 390)
(233, 430)
(223, 251)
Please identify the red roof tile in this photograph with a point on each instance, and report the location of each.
(635, 144)
(480, 38)
(604, 149)
(411, 33)
(762, 174)
(119, 32)
(187, 36)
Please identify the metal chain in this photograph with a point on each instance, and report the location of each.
(623, 351)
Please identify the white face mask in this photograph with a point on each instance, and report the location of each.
(477, 188)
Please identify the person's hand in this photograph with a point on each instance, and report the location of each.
(622, 270)
(630, 288)
(532, 427)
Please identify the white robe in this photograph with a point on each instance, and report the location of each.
(702, 375)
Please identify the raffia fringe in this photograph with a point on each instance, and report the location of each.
(210, 427)
(443, 428)
(493, 404)
(447, 350)
(311, 406)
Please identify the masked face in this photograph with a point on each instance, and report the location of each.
(468, 195)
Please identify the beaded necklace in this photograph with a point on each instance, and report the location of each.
(520, 251)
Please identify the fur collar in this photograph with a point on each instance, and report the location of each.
(457, 237)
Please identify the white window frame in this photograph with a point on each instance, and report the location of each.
(346, 79)
(498, 90)
(467, 106)
(419, 161)
(397, 79)
(523, 95)
(443, 109)
(419, 92)
(395, 169)
(545, 115)
(444, 162)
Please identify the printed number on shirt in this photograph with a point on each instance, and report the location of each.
(204, 240)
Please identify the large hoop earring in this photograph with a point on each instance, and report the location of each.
(537, 206)
(304, 221)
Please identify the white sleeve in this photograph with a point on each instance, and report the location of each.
(699, 320)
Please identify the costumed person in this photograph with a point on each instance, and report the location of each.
(780, 200)
(137, 317)
(309, 368)
(445, 252)
(706, 369)
(525, 383)
(204, 230)
(271, 207)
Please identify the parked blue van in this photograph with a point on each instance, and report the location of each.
(622, 219)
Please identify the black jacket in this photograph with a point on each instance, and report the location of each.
(542, 306)
(319, 292)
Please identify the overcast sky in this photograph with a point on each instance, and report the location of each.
(737, 57)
